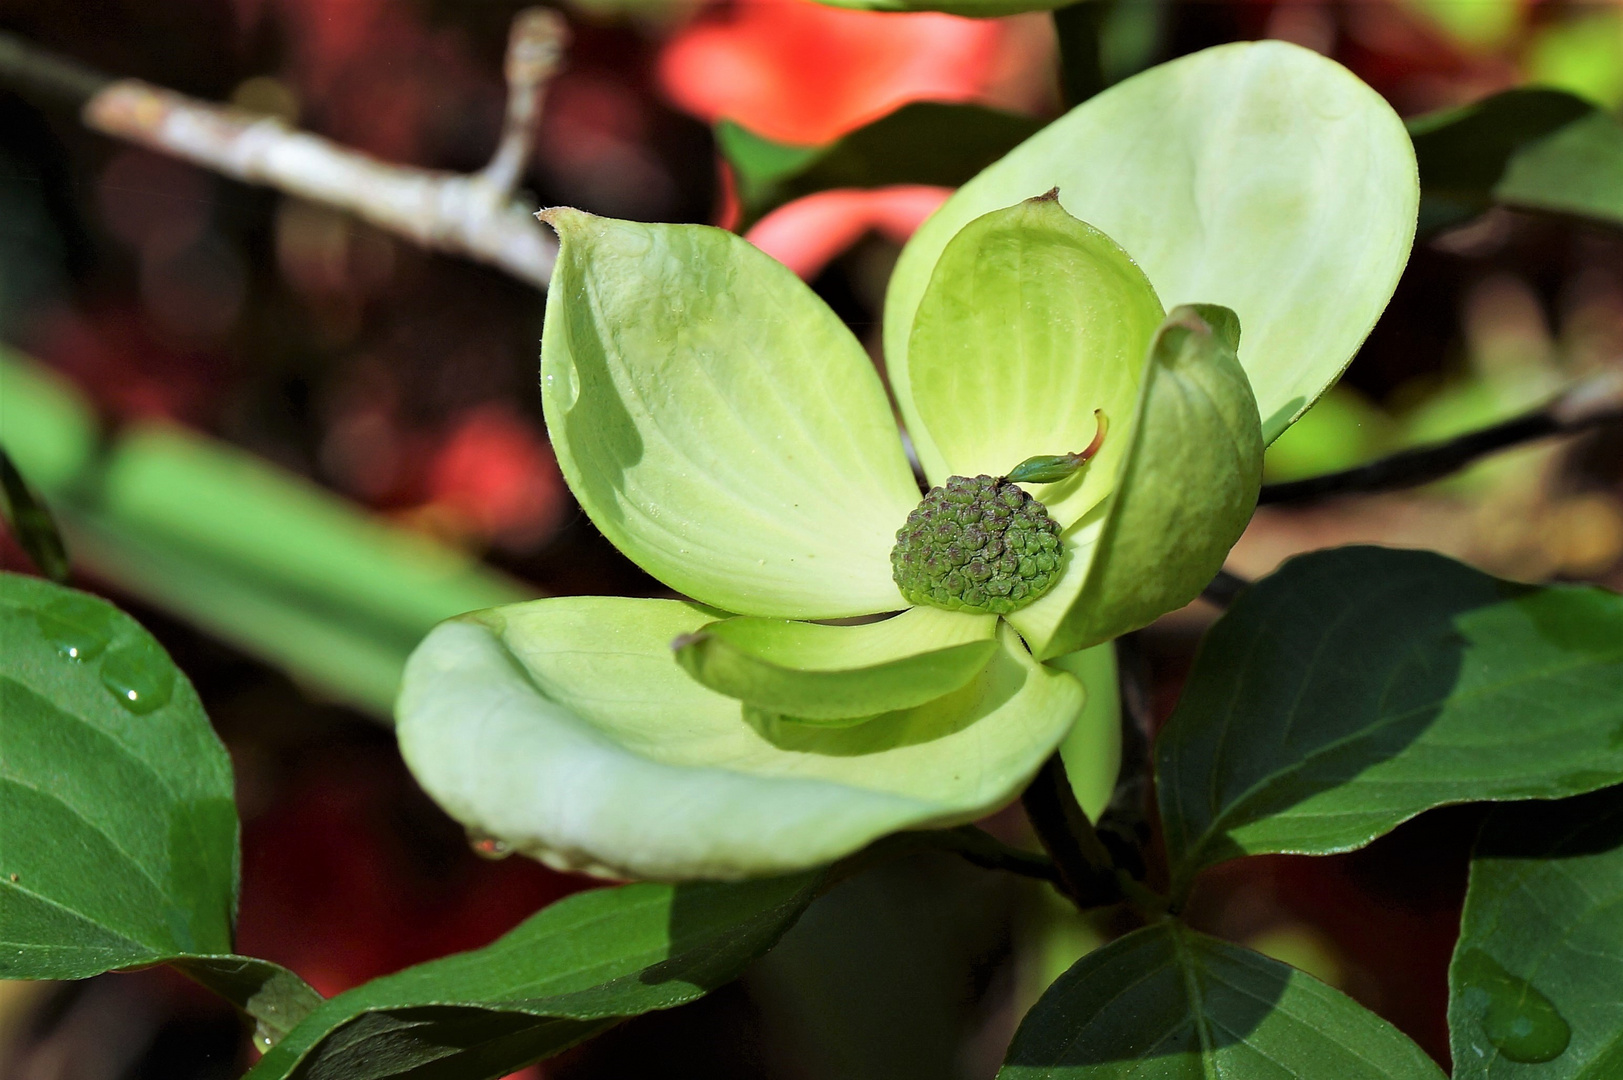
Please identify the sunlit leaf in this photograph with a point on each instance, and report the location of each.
(118, 834)
(1187, 486)
(566, 728)
(578, 967)
(719, 423)
(1258, 175)
(1034, 324)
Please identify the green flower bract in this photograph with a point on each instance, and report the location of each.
(723, 429)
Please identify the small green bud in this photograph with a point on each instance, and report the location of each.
(1052, 468)
(977, 544)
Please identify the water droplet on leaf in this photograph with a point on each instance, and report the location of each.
(1518, 1020)
(488, 847)
(78, 626)
(138, 675)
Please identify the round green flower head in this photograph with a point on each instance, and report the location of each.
(977, 544)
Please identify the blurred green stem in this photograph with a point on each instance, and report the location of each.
(1594, 402)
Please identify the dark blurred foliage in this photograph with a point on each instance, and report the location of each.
(407, 382)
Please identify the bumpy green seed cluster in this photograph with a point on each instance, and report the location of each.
(977, 544)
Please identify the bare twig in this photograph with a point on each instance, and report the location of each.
(475, 216)
(535, 49)
(1595, 401)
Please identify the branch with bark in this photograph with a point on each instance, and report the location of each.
(473, 215)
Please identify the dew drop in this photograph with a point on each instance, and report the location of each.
(79, 627)
(138, 675)
(263, 1040)
(488, 847)
(1520, 1022)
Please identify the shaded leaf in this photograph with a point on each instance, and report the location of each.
(1533, 148)
(1358, 687)
(923, 142)
(1166, 1003)
(565, 974)
(1533, 989)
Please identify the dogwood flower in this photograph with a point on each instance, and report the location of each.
(729, 434)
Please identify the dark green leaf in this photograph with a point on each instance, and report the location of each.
(1166, 1003)
(923, 142)
(1101, 42)
(118, 835)
(1533, 148)
(1533, 990)
(565, 974)
(276, 998)
(1356, 688)
(31, 522)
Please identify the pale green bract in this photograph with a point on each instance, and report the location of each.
(722, 428)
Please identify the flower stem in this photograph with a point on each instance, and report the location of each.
(1087, 875)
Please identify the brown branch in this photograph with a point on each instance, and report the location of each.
(1591, 403)
(475, 216)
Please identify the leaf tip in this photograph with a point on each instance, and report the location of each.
(682, 641)
(559, 216)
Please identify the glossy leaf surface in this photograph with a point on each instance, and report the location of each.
(1166, 1003)
(566, 973)
(718, 423)
(566, 728)
(1185, 491)
(1533, 987)
(118, 834)
(840, 673)
(1258, 175)
(1032, 321)
(1357, 687)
